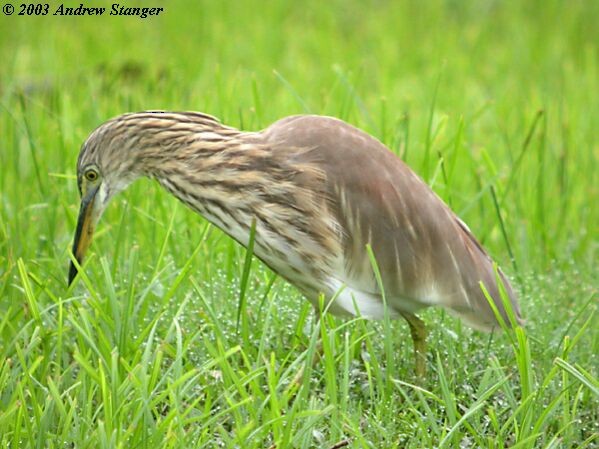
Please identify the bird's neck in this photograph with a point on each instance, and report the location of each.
(235, 179)
(214, 169)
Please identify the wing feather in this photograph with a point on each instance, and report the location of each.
(426, 254)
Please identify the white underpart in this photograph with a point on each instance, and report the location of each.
(357, 297)
(429, 296)
(354, 302)
(348, 301)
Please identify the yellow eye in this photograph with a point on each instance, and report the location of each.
(91, 175)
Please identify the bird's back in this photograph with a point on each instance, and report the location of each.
(425, 254)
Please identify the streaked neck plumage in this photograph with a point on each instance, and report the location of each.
(229, 176)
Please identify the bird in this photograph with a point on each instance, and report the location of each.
(317, 195)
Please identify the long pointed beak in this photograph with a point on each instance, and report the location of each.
(85, 230)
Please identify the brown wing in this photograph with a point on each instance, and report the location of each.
(426, 255)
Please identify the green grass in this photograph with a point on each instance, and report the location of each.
(495, 104)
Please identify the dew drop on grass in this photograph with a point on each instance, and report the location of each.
(318, 436)
(157, 288)
(452, 334)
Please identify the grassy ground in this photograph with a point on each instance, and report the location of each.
(495, 104)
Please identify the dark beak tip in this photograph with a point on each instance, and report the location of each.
(72, 273)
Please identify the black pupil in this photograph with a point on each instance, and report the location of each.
(91, 175)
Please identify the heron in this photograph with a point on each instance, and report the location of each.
(319, 197)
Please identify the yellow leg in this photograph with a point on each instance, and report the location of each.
(418, 331)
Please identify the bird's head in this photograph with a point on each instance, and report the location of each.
(104, 168)
(133, 145)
